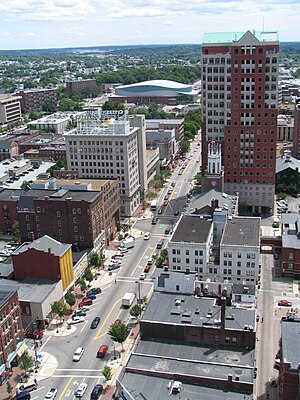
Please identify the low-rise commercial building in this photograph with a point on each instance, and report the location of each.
(290, 234)
(289, 353)
(167, 124)
(11, 330)
(10, 109)
(56, 123)
(164, 140)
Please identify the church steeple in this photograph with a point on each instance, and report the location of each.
(214, 172)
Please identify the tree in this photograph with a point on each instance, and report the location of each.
(25, 185)
(49, 107)
(145, 299)
(88, 275)
(70, 298)
(136, 310)
(113, 105)
(118, 333)
(96, 260)
(184, 146)
(9, 389)
(125, 227)
(34, 115)
(82, 284)
(26, 361)
(106, 372)
(58, 308)
(16, 231)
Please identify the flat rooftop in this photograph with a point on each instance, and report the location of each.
(192, 229)
(5, 294)
(240, 231)
(140, 386)
(195, 311)
(231, 37)
(78, 183)
(290, 226)
(290, 333)
(30, 290)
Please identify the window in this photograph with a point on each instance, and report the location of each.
(58, 214)
(291, 256)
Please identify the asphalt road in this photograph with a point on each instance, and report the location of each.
(107, 306)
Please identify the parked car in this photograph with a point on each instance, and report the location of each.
(36, 334)
(80, 390)
(159, 211)
(116, 261)
(51, 394)
(111, 267)
(95, 290)
(102, 351)
(154, 221)
(96, 392)
(95, 322)
(166, 197)
(117, 256)
(147, 235)
(142, 276)
(147, 268)
(165, 203)
(176, 212)
(79, 313)
(160, 244)
(78, 354)
(86, 301)
(285, 303)
(90, 296)
(76, 320)
(167, 231)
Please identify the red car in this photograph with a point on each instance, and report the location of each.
(102, 351)
(285, 303)
(37, 335)
(86, 302)
(147, 268)
(117, 322)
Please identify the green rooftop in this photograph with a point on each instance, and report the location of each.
(229, 37)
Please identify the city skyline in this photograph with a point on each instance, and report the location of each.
(37, 24)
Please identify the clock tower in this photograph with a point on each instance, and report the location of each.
(214, 173)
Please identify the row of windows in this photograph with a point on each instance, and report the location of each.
(96, 143)
(239, 255)
(188, 252)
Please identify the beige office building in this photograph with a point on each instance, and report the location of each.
(10, 109)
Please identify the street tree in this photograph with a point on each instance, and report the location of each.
(70, 298)
(106, 372)
(135, 311)
(88, 275)
(26, 361)
(9, 389)
(82, 284)
(118, 333)
(96, 260)
(184, 146)
(125, 227)
(58, 308)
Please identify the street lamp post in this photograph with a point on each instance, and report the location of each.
(114, 346)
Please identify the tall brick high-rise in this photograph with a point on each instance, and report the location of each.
(239, 110)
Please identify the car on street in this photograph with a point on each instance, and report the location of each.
(123, 249)
(80, 390)
(142, 276)
(116, 261)
(147, 268)
(95, 290)
(111, 267)
(36, 334)
(285, 303)
(147, 235)
(79, 313)
(166, 197)
(273, 381)
(176, 212)
(78, 354)
(150, 261)
(154, 255)
(96, 392)
(167, 231)
(118, 255)
(165, 203)
(154, 221)
(86, 302)
(173, 183)
(160, 244)
(91, 296)
(170, 190)
(102, 351)
(159, 211)
(77, 319)
(51, 394)
(95, 322)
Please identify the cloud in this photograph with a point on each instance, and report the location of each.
(168, 23)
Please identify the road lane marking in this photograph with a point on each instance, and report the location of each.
(72, 377)
(104, 322)
(84, 326)
(65, 388)
(45, 343)
(78, 369)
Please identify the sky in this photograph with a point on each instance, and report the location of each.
(30, 24)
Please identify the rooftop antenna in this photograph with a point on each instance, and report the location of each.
(263, 27)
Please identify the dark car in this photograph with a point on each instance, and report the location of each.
(95, 322)
(167, 231)
(154, 221)
(80, 313)
(38, 335)
(95, 290)
(176, 212)
(96, 392)
(90, 296)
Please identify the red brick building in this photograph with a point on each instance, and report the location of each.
(239, 110)
(71, 216)
(290, 228)
(11, 331)
(34, 99)
(79, 86)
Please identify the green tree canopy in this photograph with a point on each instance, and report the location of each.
(49, 107)
(58, 308)
(26, 361)
(118, 333)
(70, 298)
(82, 284)
(106, 372)
(184, 146)
(88, 275)
(136, 310)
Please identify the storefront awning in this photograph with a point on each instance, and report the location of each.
(21, 349)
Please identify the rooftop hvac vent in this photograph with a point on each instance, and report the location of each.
(229, 317)
(186, 313)
(175, 311)
(197, 311)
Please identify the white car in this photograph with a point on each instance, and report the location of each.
(78, 354)
(142, 276)
(81, 389)
(147, 236)
(76, 320)
(51, 394)
(117, 261)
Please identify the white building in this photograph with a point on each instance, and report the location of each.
(190, 245)
(240, 250)
(56, 122)
(10, 109)
(111, 149)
